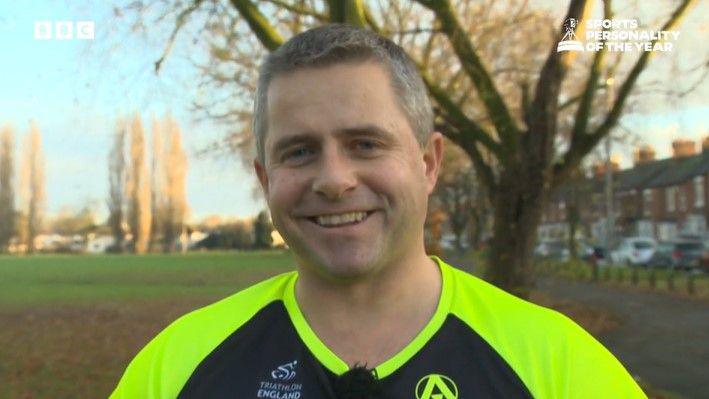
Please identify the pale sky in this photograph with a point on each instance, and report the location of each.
(74, 90)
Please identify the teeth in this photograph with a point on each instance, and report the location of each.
(343, 218)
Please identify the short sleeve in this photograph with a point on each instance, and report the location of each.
(593, 371)
(143, 378)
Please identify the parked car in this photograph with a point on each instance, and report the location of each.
(559, 250)
(688, 254)
(704, 260)
(634, 251)
(680, 254)
(555, 250)
(662, 257)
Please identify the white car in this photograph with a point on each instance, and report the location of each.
(634, 251)
(557, 250)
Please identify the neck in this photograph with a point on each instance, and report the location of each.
(369, 319)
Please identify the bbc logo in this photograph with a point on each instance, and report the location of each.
(64, 30)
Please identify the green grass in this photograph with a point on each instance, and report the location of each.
(665, 281)
(71, 323)
(54, 279)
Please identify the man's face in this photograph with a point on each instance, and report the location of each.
(345, 179)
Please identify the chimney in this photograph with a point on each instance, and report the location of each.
(644, 154)
(599, 169)
(682, 148)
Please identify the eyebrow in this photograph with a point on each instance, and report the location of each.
(367, 130)
(310, 137)
(285, 142)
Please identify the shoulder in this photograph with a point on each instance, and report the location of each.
(233, 311)
(163, 366)
(483, 305)
(553, 355)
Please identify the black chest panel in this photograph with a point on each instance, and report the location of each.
(266, 358)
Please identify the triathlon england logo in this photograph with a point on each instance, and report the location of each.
(285, 372)
(281, 385)
(570, 41)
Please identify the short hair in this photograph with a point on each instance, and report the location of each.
(340, 43)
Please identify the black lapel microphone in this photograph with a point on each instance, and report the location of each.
(358, 383)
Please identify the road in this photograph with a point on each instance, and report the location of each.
(661, 338)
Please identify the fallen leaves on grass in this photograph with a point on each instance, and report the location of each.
(595, 321)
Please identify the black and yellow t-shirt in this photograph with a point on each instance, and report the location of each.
(480, 343)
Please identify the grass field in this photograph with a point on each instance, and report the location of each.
(69, 324)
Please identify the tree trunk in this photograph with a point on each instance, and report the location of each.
(476, 227)
(574, 218)
(518, 205)
(458, 228)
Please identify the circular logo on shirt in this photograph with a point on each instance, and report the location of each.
(436, 386)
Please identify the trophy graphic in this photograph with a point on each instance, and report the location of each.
(569, 42)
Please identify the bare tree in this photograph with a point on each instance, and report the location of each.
(33, 193)
(157, 184)
(138, 189)
(175, 169)
(117, 185)
(7, 189)
(460, 197)
(536, 112)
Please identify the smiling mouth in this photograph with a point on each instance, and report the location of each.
(340, 219)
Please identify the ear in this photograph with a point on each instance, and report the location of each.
(432, 157)
(260, 170)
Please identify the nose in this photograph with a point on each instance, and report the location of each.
(336, 176)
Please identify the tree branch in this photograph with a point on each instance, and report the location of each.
(369, 18)
(426, 53)
(462, 122)
(464, 141)
(347, 11)
(179, 23)
(575, 153)
(472, 64)
(583, 112)
(543, 110)
(524, 98)
(571, 101)
(264, 31)
(299, 10)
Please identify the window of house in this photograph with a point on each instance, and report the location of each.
(670, 194)
(682, 199)
(647, 202)
(699, 192)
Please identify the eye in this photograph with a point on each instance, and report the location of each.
(365, 145)
(297, 154)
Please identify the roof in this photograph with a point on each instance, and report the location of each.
(680, 170)
(641, 175)
(654, 174)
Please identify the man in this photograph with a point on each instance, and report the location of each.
(347, 158)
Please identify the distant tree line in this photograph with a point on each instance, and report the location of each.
(147, 199)
(243, 234)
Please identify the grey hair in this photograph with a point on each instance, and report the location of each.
(339, 43)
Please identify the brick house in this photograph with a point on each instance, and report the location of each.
(663, 199)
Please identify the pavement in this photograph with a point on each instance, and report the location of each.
(661, 338)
